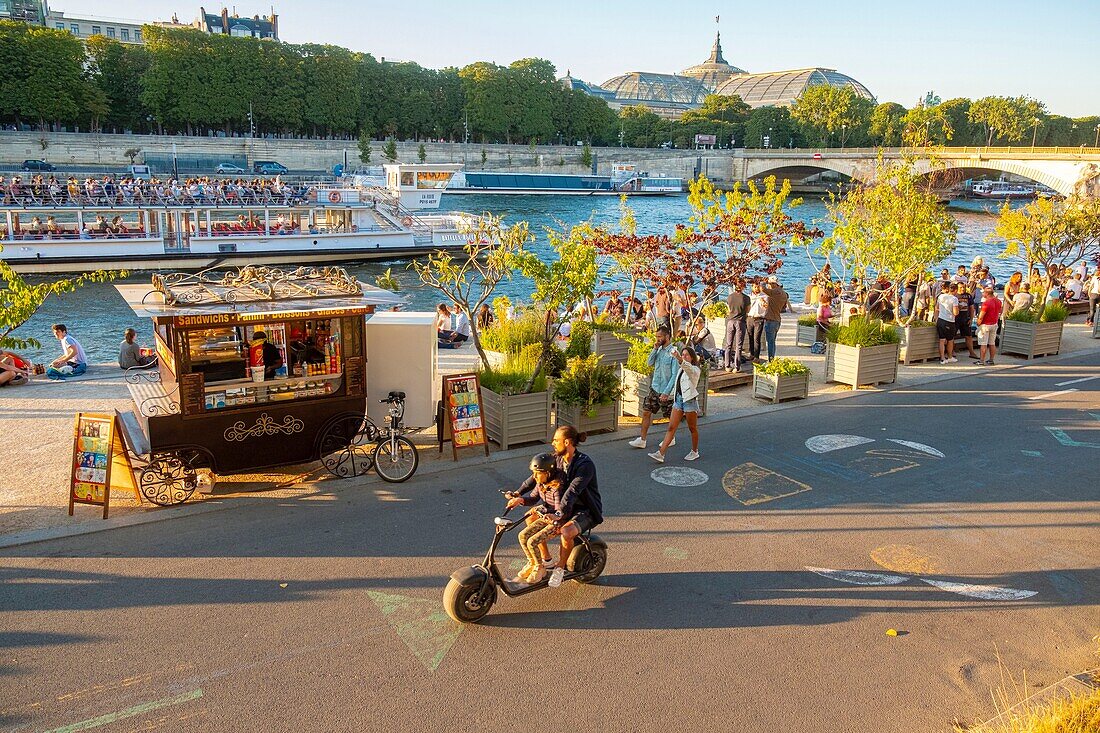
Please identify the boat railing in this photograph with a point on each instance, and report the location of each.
(98, 198)
(69, 234)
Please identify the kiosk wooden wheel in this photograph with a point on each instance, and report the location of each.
(168, 479)
(347, 446)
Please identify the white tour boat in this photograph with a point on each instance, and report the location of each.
(341, 222)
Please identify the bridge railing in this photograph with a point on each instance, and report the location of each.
(1020, 151)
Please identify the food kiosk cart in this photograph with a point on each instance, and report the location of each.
(219, 399)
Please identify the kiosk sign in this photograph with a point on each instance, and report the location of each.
(97, 448)
(462, 402)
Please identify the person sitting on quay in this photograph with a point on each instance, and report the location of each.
(73, 361)
(1075, 288)
(129, 353)
(461, 333)
(14, 369)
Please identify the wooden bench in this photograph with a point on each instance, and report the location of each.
(718, 380)
(1077, 307)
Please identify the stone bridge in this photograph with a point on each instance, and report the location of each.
(1066, 170)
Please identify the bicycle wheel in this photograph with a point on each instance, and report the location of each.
(395, 459)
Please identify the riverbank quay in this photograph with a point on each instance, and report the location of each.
(37, 420)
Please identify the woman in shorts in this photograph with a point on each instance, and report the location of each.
(685, 404)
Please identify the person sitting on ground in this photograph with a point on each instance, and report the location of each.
(1055, 293)
(485, 317)
(461, 333)
(129, 353)
(73, 361)
(442, 321)
(1023, 299)
(1075, 288)
(702, 340)
(542, 491)
(14, 369)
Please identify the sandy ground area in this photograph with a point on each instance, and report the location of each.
(36, 428)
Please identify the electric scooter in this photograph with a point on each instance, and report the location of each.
(472, 591)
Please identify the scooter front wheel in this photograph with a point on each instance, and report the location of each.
(463, 604)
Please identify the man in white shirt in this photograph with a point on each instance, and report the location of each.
(73, 361)
(1075, 288)
(947, 310)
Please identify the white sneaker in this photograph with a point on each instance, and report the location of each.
(953, 360)
(943, 361)
(638, 442)
(672, 443)
(692, 456)
(556, 577)
(656, 455)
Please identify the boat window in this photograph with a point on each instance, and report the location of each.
(226, 222)
(407, 178)
(286, 222)
(433, 179)
(334, 221)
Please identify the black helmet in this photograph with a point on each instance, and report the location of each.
(543, 462)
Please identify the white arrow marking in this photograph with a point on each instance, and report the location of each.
(918, 446)
(856, 577)
(983, 592)
(1053, 394)
(1076, 381)
(829, 443)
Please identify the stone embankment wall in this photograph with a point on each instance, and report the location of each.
(73, 150)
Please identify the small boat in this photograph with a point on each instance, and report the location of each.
(1000, 190)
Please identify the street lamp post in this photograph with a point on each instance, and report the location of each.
(843, 135)
(1096, 142)
(1034, 131)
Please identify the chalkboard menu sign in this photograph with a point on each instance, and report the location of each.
(99, 460)
(462, 411)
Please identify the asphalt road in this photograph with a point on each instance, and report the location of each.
(324, 612)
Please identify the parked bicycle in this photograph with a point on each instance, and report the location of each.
(346, 451)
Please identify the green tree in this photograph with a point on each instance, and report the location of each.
(421, 153)
(827, 111)
(886, 124)
(469, 279)
(19, 300)
(1007, 118)
(895, 227)
(390, 150)
(52, 85)
(774, 123)
(117, 69)
(331, 104)
(364, 146)
(924, 126)
(642, 128)
(586, 156)
(957, 114)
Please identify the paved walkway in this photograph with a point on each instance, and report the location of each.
(36, 424)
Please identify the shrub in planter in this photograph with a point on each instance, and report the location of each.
(781, 379)
(510, 415)
(510, 336)
(808, 331)
(636, 373)
(1032, 332)
(718, 309)
(580, 340)
(865, 351)
(587, 394)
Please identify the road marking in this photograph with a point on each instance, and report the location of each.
(1053, 394)
(753, 484)
(918, 446)
(885, 462)
(1062, 437)
(906, 559)
(857, 577)
(420, 624)
(1076, 381)
(679, 476)
(982, 592)
(144, 707)
(1032, 453)
(829, 443)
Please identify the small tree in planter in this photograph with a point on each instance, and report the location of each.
(515, 401)
(469, 280)
(1035, 331)
(588, 394)
(781, 379)
(862, 352)
(716, 314)
(808, 330)
(636, 373)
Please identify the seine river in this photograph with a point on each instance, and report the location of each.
(97, 315)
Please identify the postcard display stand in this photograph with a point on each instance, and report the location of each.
(99, 462)
(462, 413)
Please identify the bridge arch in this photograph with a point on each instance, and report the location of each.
(797, 171)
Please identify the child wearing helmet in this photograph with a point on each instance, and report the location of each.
(543, 491)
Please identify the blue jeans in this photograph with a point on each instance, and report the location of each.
(78, 369)
(771, 330)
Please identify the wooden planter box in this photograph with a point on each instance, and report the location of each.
(1096, 323)
(1032, 339)
(635, 389)
(856, 365)
(613, 349)
(513, 419)
(807, 335)
(606, 419)
(776, 388)
(919, 343)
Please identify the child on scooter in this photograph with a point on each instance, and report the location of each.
(543, 491)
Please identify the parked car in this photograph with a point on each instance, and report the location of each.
(143, 172)
(269, 168)
(228, 168)
(38, 165)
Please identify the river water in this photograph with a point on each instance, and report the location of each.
(97, 315)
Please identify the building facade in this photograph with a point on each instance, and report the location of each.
(124, 30)
(28, 11)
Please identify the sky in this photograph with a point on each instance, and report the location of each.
(899, 50)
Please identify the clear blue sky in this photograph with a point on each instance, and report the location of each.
(1048, 50)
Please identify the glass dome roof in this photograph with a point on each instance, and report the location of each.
(781, 88)
(640, 86)
(714, 70)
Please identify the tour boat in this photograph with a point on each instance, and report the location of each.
(1002, 190)
(321, 223)
(624, 179)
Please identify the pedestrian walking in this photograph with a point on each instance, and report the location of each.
(738, 304)
(1094, 297)
(758, 308)
(661, 384)
(685, 404)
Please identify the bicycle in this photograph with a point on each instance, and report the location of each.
(345, 452)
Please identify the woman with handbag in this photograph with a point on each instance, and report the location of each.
(685, 403)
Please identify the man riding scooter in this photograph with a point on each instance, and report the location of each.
(581, 507)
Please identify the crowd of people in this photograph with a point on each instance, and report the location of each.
(130, 191)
